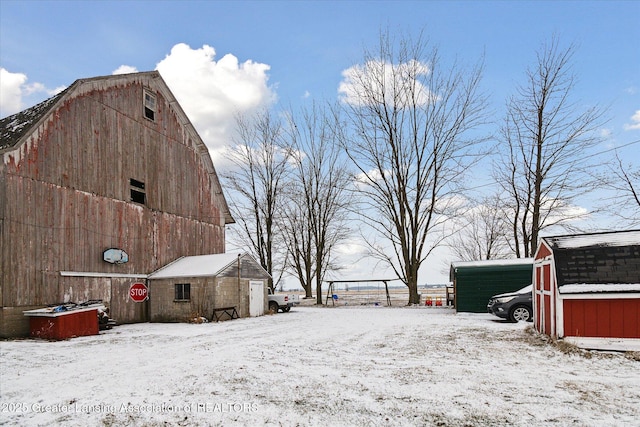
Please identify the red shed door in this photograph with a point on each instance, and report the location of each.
(544, 299)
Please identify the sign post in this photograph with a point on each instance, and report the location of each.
(138, 292)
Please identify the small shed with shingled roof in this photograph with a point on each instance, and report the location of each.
(587, 289)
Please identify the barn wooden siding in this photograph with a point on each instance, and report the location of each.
(112, 290)
(86, 226)
(98, 140)
(66, 196)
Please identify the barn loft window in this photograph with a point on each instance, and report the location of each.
(138, 194)
(183, 292)
(149, 106)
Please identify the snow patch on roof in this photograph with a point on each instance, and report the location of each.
(620, 238)
(587, 288)
(493, 262)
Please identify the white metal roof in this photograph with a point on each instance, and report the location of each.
(582, 288)
(196, 266)
(493, 262)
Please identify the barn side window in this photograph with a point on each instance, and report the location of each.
(149, 106)
(183, 292)
(138, 194)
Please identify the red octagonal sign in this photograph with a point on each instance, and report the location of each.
(138, 292)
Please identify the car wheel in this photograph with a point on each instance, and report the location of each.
(520, 313)
(273, 306)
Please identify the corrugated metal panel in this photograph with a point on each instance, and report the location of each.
(475, 284)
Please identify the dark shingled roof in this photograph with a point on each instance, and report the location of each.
(600, 258)
(13, 128)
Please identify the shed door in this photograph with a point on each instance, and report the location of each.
(544, 299)
(256, 298)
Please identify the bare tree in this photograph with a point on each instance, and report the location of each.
(623, 180)
(545, 137)
(316, 211)
(256, 184)
(482, 233)
(299, 240)
(409, 117)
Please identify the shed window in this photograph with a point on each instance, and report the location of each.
(149, 106)
(183, 291)
(138, 194)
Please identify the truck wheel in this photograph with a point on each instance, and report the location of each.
(273, 306)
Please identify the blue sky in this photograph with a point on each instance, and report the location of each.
(291, 52)
(308, 44)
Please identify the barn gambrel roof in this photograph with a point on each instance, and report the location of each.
(16, 129)
(604, 259)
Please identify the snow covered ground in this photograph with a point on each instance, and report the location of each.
(346, 366)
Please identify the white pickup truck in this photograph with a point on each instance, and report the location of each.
(282, 302)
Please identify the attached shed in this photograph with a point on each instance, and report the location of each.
(197, 286)
(475, 282)
(587, 289)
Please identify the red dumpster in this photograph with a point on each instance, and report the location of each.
(50, 324)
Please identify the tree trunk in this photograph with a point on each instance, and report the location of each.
(414, 296)
(319, 293)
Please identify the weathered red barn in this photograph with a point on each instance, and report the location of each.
(101, 185)
(587, 289)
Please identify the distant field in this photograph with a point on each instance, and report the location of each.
(373, 295)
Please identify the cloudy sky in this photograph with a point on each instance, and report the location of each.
(224, 57)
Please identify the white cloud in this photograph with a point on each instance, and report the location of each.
(125, 69)
(606, 133)
(351, 247)
(16, 94)
(11, 88)
(635, 119)
(211, 92)
(395, 81)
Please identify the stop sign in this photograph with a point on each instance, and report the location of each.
(138, 292)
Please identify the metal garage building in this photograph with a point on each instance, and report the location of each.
(475, 282)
